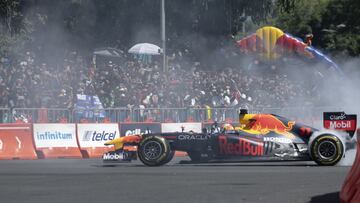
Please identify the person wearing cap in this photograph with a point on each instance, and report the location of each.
(242, 114)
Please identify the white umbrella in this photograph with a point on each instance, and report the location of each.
(145, 48)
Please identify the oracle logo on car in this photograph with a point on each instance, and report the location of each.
(243, 147)
(98, 136)
(193, 137)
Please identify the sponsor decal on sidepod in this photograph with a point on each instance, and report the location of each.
(277, 139)
(243, 147)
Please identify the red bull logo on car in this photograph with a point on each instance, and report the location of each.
(242, 147)
(263, 124)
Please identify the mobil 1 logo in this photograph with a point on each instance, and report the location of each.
(340, 121)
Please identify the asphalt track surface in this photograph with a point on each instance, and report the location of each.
(89, 180)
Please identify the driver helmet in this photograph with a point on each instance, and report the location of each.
(228, 127)
(242, 114)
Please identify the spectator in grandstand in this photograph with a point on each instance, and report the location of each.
(30, 82)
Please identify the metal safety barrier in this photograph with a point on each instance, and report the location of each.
(185, 114)
(41, 115)
(306, 115)
(113, 115)
(5, 115)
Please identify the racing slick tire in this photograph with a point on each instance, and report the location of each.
(154, 151)
(168, 158)
(326, 150)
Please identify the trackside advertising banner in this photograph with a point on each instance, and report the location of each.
(54, 135)
(95, 135)
(139, 128)
(179, 127)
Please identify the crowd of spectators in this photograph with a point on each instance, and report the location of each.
(29, 82)
(136, 84)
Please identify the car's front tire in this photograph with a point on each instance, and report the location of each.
(154, 151)
(327, 150)
(168, 158)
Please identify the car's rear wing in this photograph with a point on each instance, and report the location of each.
(340, 121)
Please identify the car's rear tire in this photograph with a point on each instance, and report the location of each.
(154, 151)
(326, 150)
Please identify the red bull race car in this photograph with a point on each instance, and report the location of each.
(260, 137)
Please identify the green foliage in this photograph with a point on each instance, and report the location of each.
(11, 17)
(14, 28)
(334, 23)
(86, 24)
(286, 5)
(303, 18)
(340, 27)
(91, 23)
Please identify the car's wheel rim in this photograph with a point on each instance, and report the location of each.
(327, 150)
(152, 150)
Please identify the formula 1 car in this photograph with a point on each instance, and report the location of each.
(259, 137)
